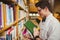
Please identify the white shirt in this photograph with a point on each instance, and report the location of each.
(50, 29)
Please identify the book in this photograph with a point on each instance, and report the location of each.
(21, 3)
(30, 25)
(22, 14)
(4, 14)
(13, 32)
(12, 15)
(9, 13)
(8, 37)
(2, 38)
(1, 15)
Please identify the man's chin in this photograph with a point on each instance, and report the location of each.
(42, 16)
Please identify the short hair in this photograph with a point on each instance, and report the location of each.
(42, 4)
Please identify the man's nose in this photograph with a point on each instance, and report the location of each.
(38, 12)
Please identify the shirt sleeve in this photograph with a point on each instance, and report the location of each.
(55, 32)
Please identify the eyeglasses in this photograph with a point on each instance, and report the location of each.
(39, 10)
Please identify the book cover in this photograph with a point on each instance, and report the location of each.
(29, 25)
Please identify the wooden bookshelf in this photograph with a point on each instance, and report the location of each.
(21, 8)
(16, 7)
(12, 24)
(12, 3)
(9, 2)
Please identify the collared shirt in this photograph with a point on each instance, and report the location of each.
(50, 29)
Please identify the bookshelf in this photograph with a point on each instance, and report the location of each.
(12, 3)
(10, 12)
(12, 24)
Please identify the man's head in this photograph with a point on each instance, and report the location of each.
(43, 8)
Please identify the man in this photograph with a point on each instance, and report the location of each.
(49, 26)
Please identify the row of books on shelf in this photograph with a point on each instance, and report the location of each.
(10, 34)
(20, 3)
(9, 12)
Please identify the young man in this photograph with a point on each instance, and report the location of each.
(49, 26)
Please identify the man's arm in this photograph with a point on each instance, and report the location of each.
(36, 34)
(55, 34)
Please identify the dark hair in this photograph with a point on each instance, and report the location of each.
(42, 4)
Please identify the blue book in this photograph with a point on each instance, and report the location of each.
(2, 38)
(8, 37)
(9, 14)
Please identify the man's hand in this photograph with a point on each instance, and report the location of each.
(36, 32)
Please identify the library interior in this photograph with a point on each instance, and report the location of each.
(20, 19)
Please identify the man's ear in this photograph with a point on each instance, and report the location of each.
(46, 8)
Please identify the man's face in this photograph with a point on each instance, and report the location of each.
(41, 12)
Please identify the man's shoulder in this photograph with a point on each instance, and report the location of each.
(54, 19)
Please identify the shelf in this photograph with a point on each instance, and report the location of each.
(12, 24)
(9, 2)
(21, 8)
(12, 3)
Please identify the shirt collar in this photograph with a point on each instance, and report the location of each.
(47, 17)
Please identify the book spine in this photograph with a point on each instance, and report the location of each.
(12, 15)
(13, 34)
(22, 15)
(8, 15)
(1, 16)
(2, 38)
(8, 37)
(9, 12)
